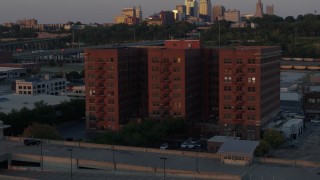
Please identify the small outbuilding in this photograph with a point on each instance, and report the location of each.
(237, 152)
(293, 129)
(214, 143)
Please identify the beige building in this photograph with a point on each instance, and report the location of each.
(47, 86)
(232, 15)
(259, 9)
(270, 9)
(218, 13)
(205, 7)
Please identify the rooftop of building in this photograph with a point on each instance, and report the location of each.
(4, 69)
(10, 102)
(290, 96)
(292, 122)
(222, 138)
(238, 147)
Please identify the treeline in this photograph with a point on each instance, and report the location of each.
(298, 37)
(147, 133)
(44, 114)
(128, 33)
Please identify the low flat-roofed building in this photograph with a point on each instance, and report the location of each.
(76, 92)
(11, 102)
(32, 86)
(293, 128)
(214, 143)
(291, 101)
(10, 72)
(237, 152)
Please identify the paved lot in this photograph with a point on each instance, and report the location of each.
(307, 147)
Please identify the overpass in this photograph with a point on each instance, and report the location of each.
(32, 44)
(59, 53)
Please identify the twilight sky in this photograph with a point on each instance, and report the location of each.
(101, 11)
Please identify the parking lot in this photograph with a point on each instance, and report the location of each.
(305, 148)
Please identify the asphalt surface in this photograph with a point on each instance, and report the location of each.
(255, 171)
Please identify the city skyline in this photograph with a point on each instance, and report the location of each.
(100, 11)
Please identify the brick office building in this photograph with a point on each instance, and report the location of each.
(114, 79)
(238, 87)
(174, 73)
(249, 90)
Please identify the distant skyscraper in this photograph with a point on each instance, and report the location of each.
(232, 15)
(139, 13)
(259, 9)
(270, 9)
(217, 13)
(180, 12)
(205, 9)
(192, 8)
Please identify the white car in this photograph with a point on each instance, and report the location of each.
(164, 146)
(192, 145)
(184, 145)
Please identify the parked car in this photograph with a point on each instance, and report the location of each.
(164, 146)
(192, 145)
(184, 145)
(31, 142)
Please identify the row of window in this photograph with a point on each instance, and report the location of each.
(239, 116)
(229, 107)
(239, 61)
(239, 70)
(239, 79)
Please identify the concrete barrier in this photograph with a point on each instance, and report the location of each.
(307, 163)
(4, 177)
(91, 145)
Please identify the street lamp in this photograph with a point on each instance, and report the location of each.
(71, 150)
(113, 158)
(164, 167)
(41, 154)
(197, 163)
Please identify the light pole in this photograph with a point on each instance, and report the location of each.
(164, 167)
(197, 163)
(41, 154)
(113, 158)
(71, 150)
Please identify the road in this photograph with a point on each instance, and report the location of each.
(147, 159)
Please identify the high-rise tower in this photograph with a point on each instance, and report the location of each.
(259, 9)
(218, 13)
(139, 13)
(205, 9)
(192, 8)
(270, 9)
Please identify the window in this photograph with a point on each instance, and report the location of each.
(227, 61)
(227, 98)
(239, 116)
(251, 89)
(239, 98)
(239, 61)
(251, 80)
(227, 79)
(251, 98)
(251, 70)
(251, 108)
(251, 61)
(239, 89)
(227, 106)
(227, 88)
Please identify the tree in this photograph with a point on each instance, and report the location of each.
(273, 137)
(262, 149)
(41, 131)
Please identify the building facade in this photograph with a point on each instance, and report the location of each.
(192, 8)
(112, 87)
(218, 13)
(232, 15)
(174, 80)
(249, 84)
(270, 9)
(259, 9)
(34, 86)
(205, 8)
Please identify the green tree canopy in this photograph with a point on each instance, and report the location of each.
(273, 137)
(41, 131)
